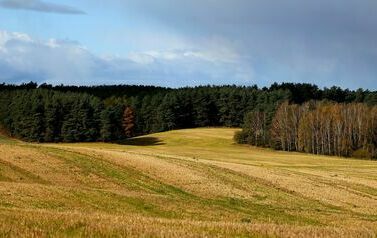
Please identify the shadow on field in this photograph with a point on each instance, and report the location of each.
(142, 141)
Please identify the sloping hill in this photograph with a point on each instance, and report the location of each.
(182, 183)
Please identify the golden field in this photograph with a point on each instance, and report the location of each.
(185, 183)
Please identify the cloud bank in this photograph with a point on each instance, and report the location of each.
(23, 58)
(40, 6)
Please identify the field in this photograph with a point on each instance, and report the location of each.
(184, 183)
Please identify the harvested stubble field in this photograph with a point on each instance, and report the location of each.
(186, 183)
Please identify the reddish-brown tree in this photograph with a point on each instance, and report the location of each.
(128, 122)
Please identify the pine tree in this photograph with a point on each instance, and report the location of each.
(105, 131)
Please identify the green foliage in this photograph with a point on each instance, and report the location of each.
(67, 113)
(111, 117)
(42, 115)
(240, 137)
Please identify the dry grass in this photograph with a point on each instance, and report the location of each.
(185, 183)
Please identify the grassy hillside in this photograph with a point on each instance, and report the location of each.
(182, 183)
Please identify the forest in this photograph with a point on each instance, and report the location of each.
(324, 127)
(287, 116)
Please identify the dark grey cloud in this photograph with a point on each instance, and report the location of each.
(324, 41)
(224, 15)
(40, 6)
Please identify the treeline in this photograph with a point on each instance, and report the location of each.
(50, 115)
(201, 107)
(101, 91)
(47, 113)
(298, 92)
(325, 128)
(41, 115)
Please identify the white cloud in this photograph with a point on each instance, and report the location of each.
(23, 58)
(52, 60)
(141, 58)
(212, 50)
(173, 55)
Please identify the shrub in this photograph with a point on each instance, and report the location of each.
(362, 154)
(240, 137)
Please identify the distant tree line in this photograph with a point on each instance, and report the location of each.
(326, 128)
(49, 116)
(46, 113)
(54, 114)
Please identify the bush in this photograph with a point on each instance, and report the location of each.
(362, 154)
(240, 137)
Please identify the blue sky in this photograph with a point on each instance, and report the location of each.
(185, 43)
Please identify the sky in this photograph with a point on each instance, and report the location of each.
(177, 43)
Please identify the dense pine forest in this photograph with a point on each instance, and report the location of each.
(291, 117)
